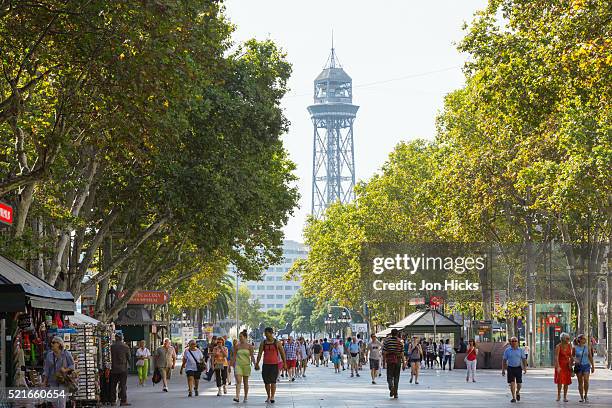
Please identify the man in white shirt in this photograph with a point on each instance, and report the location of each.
(374, 351)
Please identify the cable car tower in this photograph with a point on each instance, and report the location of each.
(333, 159)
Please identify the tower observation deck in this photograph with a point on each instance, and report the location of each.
(332, 114)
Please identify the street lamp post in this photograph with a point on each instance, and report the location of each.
(330, 321)
(345, 315)
(237, 288)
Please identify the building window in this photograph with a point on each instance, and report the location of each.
(279, 278)
(270, 306)
(260, 287)
(288, 287)
(296, 287)
(270, 296)
(269, 287)
(287, 296)
(279, 288)
(279, 296)
(279, 306)
(269, 278)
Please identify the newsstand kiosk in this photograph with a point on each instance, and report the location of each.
(31, 313)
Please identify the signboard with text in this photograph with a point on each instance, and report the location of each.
(6, 213)
(148, 297)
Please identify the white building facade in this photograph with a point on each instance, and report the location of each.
(273, 291)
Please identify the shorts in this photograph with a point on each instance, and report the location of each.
(583, 368)
(269, 373)
(291, 363)
(194, 374)
(515, 373)
(415, 360)
(326, 354)
(374, 364)
(354, 358)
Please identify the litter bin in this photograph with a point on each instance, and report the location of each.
(487, 359)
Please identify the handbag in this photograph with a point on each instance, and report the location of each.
(199, 364)
(156, 376)
(578, 365)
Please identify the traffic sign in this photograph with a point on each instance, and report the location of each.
(6, 213)
(435, 301)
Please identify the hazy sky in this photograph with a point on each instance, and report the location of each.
(408, 40)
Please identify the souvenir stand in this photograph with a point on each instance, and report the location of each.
(31, 313)
(89, 345)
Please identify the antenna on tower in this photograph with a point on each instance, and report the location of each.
(332, 62)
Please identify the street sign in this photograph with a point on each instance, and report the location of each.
(417, 301)
(359, 327)
(186, 335)
(6, 213)
(435, 301)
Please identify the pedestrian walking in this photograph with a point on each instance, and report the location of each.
(583, 365)
(230, 347)
(291, 355)
(193, 365)
(58, 362)
(514, 360)
(393, 357)
(433, 351)
(143, 356)
(209, 358)
(353, 350)
(471, 360)
(336, 357)
(241, 361)
(563, 366)
(316, 351)
(269, 349)
(374, 351)
(448, 355)
(220, 363)
(164, 360)
(326, 346)
(120, 358)
(415, 355)
(343, 346)
(302, 357)
(362, 351)
(441, 352)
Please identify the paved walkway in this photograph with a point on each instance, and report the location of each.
(437, 389)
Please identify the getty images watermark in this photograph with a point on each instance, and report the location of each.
(414, 264)
(405, 270)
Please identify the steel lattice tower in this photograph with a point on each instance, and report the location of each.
(333, 157)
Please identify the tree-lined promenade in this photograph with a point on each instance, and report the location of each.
(522, 160)
(139, 146)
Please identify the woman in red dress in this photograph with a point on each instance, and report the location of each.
(563, 365)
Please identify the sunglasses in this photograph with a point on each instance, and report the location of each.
(513, 341)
